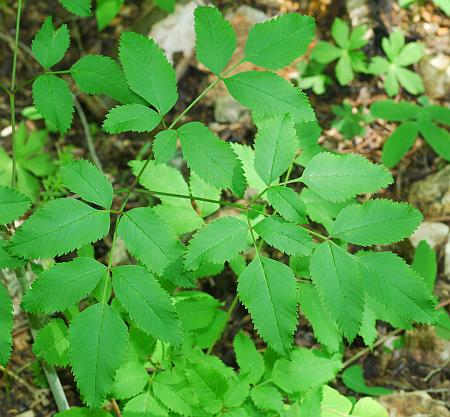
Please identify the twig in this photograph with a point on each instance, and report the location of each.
(87, 132)
(116, 408)
(368, 349)
(19, 379)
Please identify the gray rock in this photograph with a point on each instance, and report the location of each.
(432, 194)
(434, 233)
(435, 72)
(413, 404)
(228, 110)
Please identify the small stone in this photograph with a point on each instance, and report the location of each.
(29, 413)
(432, 194)
(447, 259)
(413, 404)
(434, 233)
(228, 110)
(435, 72)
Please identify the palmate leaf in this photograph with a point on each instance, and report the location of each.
(267, 289)
(393, 111)
(399, 143)
(13, 204)
(6, 325)
(376, 222)
(286, 237)
(296, 373)
(149, 239)
(51, 343)
(211, 158)
(63, 285)
(59, 227)
(275, 146)
(250, 361)
(424, 263)
(131, 118)
(148, 305)
(217, 242)
(49, 45)
(84, 178)
(325, 329)
(437, 138)
(98, 341)
(392, 283)
(288, 203)
(147, 71)
(340, 177)
(215, 39)
(275, 43)
(81, 8)
(268, 94)
(53, 99)
(98, 74)
(337, 278)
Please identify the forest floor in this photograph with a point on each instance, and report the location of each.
(414, 361)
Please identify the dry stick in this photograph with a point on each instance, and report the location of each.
(116, 408)
(19, 379)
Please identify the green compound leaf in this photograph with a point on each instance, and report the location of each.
(6, 259)
(52, 344)
(215, 39)
(336, 276)
(376, 222)
(340, 177)
(276, 43)
(49, 45)
(267, 398)
(131, 379)
(208, 384)
(275, 146)
(98, 74)
(165, 145)
(13, 204)
(286, 237)
(6, 325)
(172, 389)
(200, 188)
(210, 157)
(144, 405)
(148, 305)
(353, 378)
(149, 239)
(147, 71)
(63, 285)
(268, 94)
(288, 203)
(80, 8)
(325, 329)
(54, 100)
(131, 118)
(305, 369)
(399, 143)
(393, 111)
(390, 281)
(82, 412)
(267, 288)
(250, 361)
(98, 340)
(59, 227)
(217, 242)
(85, 179)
